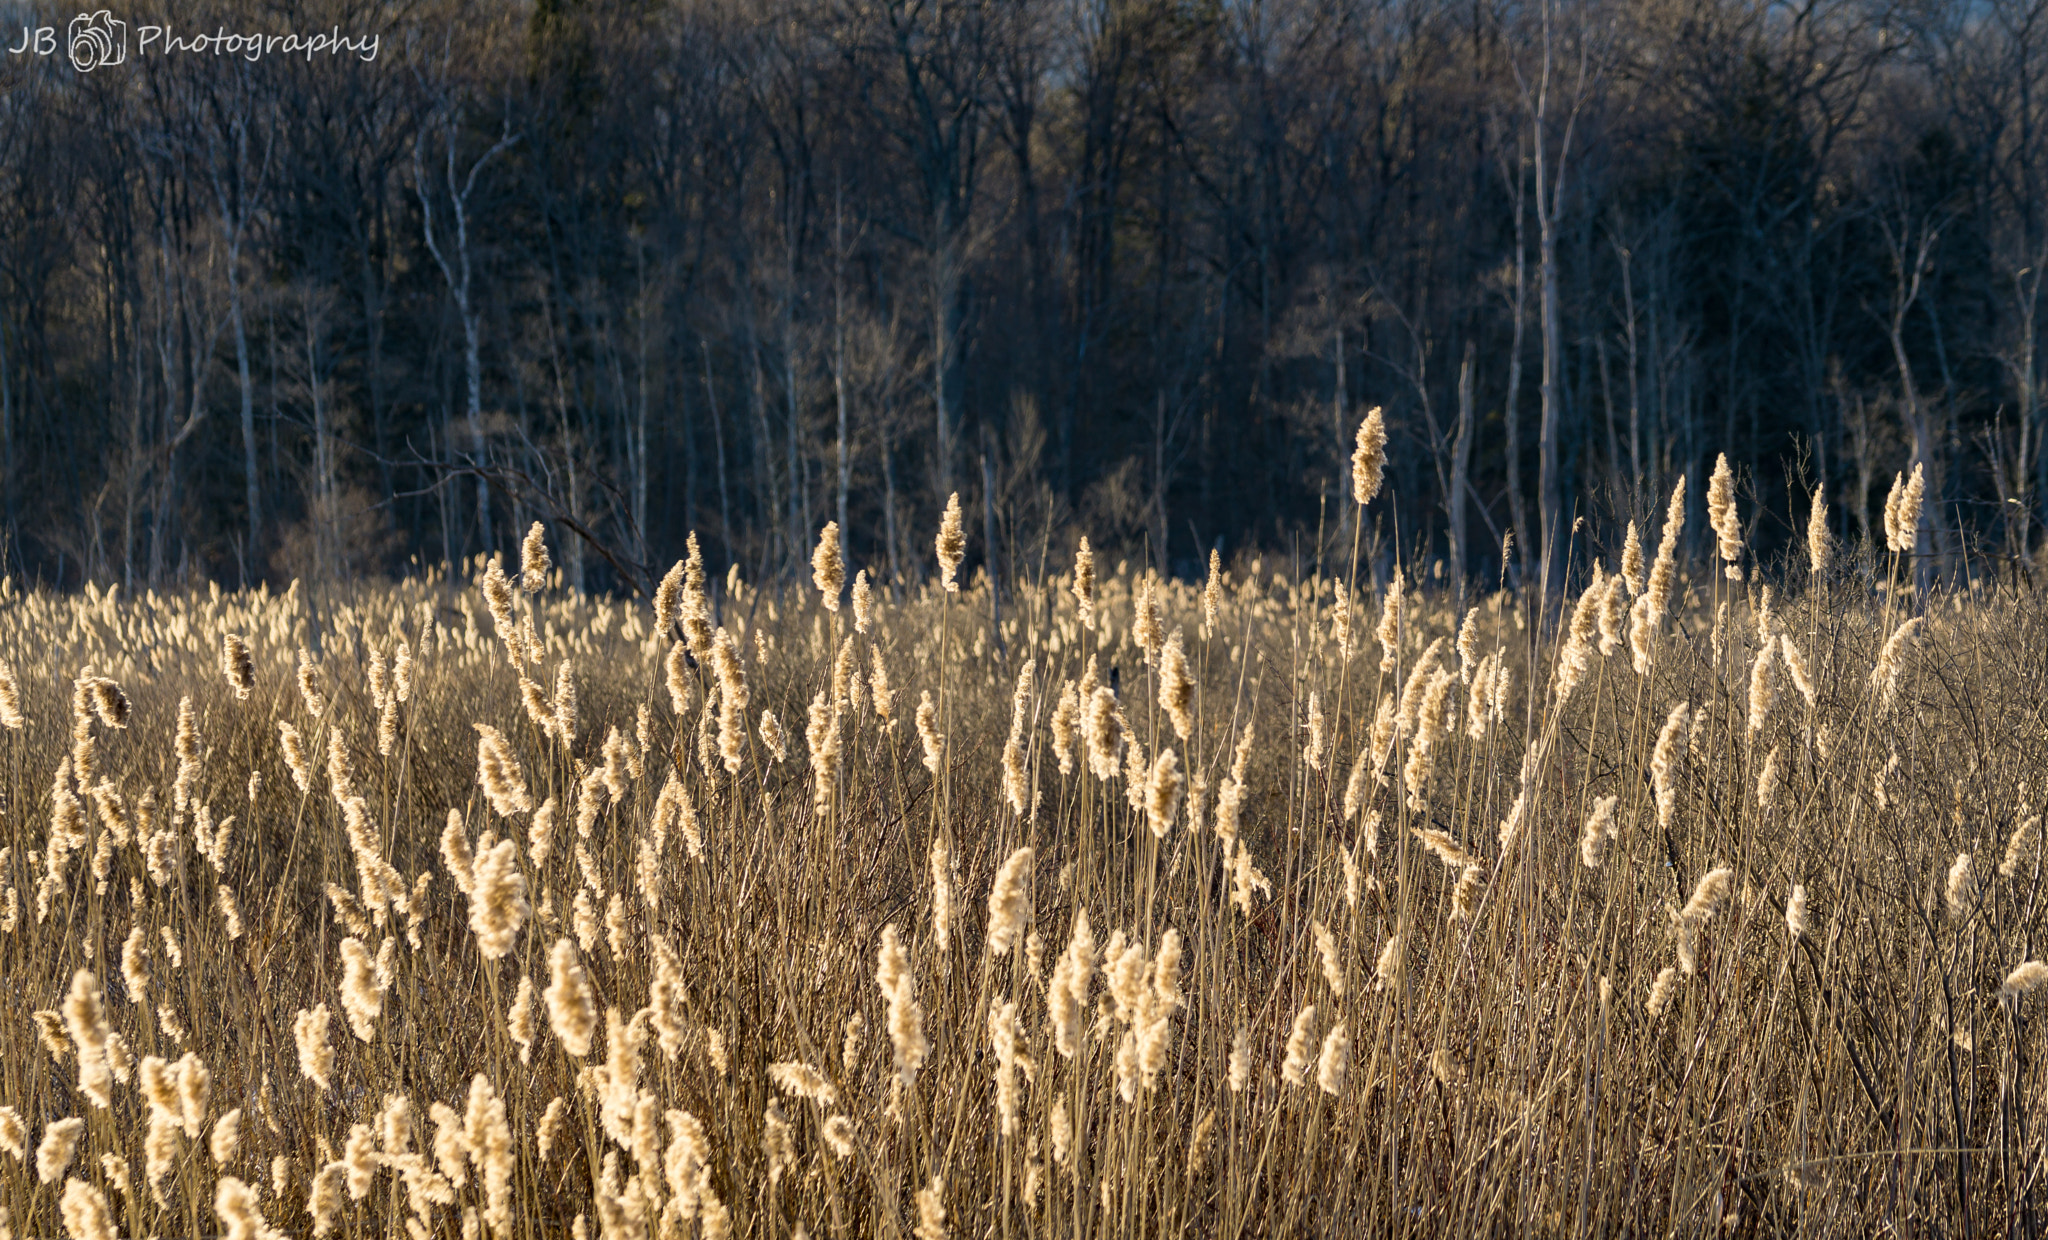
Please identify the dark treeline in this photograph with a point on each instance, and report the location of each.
(1134, 268)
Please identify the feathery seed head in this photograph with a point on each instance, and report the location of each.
(1084, 583)
(237, 666)
(572, 1006)
(1819, 542)
(1368, 458)
(533, 560)
(828, 569)
(1722, 516)
(951, 544)
(1009, 904)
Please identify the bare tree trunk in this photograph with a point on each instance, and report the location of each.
(324, 517)
(1550, 181)
(1912, 259)
(943, 281)
(718, 447)
(1461, 465)
(1635, 408)
(1517, 508)
(640, 415)
(231, 189)
(889, 509)
(839, 350)
(988, 543)
(771, 503)
(254, 493)
(2027, 382)
(800, 533)
(1159, 526)
(458, 278)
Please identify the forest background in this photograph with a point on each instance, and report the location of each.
(1129, 268)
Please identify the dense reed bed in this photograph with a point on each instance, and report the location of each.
(1291, 902)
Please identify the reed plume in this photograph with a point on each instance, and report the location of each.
(1389, 631)
(1084, 584)
(316, 1054)
(1819, 542)
(828, 569)
(1902, 511)
(1334, 1061)
(1368, 458)
(906, 1014)
(951, 544)
(1632, 560)
(1177, 687)
(1016, 776)
(499, 773)
(237, 667)
(1148, 627)
(87, 1216)
(1163, 793)
(53, 1156)
(572, 1006)
(2023, 981)
(1300, 1047)
(1009, 905)
(1891, 663)
(534, 563)
(941, 865)
(497, 900)
(1600, 831)
(309, 685)
(1721, 515)
(1959, 888)
(1664, 760)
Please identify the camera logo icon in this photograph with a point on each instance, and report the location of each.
(97, 39)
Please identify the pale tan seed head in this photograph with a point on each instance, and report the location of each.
(309, 685)
(828, 568)
(1902, 511)
(1959, 890)
(1389, 630)
(2023, 981)
(1009, 902)
(316, 1055)
(60, 1141)
(87, 1216)
(237, 666)
(863, 602)
(572, 1006)
(1163, 793)
(1148, 626)
(497, 900)
(1632, 560)
(534, 563)
(1819, 542)
(1722, 516)
(1661, 992)
(906, 1015)
(1334, 1061)
(951, 544)
(1891, 663)
(1368, 458)
(1084, 583)
(499, 773)
(1301, 1047)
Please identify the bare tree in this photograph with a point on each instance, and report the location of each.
(445, 127)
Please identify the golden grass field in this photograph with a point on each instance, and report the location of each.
(463, 905)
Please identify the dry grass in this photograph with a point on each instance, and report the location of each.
(491, 912)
